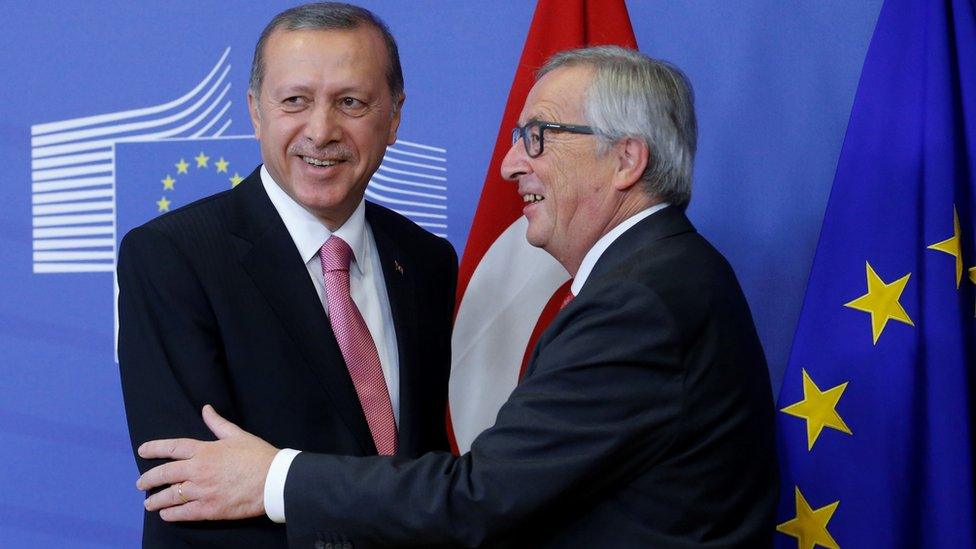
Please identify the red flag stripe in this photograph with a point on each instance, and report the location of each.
(556, 26)
(516, 286)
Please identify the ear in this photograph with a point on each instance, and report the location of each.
(632, 158)
(254, 110)
(395, 123)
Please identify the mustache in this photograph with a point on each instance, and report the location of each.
(332, 151)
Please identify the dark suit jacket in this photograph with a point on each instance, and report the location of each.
(645, 419)
(216, 306)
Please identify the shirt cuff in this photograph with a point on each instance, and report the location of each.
(274, 485)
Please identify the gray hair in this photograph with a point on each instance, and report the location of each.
(329, 16)
(633, 95)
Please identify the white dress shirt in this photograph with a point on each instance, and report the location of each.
(592, 256)
(274, 485)
(367, 288)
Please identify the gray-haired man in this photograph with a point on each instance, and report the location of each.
(645, 417)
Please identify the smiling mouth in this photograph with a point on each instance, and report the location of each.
(532, 198)
(318, 162)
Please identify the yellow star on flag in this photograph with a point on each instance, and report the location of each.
(163, 204)
(972, 278)
(168, 183)
(809, 526)
(819, 408)
(881, 302)
(236, 180)
(221, 165)
(181, 166)
(202, 160)
(952, 245)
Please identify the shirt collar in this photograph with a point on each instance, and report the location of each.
(308, 232)
(592, 256)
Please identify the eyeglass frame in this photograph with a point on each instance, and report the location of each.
(520, 132)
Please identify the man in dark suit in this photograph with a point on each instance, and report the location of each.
(234, 300)
(645, 417)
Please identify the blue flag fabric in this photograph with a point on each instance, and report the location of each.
(155, 177)
(876, 409)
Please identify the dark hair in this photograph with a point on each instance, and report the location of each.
(329, 16)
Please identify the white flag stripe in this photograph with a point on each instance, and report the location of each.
(175, 131)
(380, 187)
(59, 173)
(69, 243)
(55, 150)
(72, 207)
(73, 165)
(412, 214)
(39, 129)
(90, 230)
(414, 174)
(118, 130)
(41, 152)
(48, 198)
(415, 155)
(73, 173)
(389, 179)
(43, 268)
(108, 144)
(78, 183)
(382, 199)
(68, 160)
(210, 124)
(429, 224)
(420, 146)
(388, 158)
(73, 256)
(59, 220)
(76, 135)
(203, 140)
(495, 319)
(223, 128)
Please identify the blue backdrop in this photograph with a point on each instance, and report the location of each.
(774, 86)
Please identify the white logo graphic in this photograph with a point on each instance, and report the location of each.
(73, 171)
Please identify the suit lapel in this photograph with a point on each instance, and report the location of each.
(268, 254)
(398, 272)
(670, 221)
(665, 223)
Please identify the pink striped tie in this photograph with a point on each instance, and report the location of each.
(357, 346)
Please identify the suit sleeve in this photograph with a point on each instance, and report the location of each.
(170, 359)
(598, 408)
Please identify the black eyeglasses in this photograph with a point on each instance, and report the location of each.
(532, 132)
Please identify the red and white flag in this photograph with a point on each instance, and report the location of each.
(508, 291)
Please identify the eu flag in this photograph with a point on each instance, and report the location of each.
(154, 177)
(876, 408)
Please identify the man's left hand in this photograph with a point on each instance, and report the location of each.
(223, 479)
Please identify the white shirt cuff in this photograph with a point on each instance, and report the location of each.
(274, 485)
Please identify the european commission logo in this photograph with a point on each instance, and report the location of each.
(94, 178)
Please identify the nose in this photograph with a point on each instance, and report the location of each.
(515, 164)
(322, 126)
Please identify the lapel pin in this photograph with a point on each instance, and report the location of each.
(398, 267)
